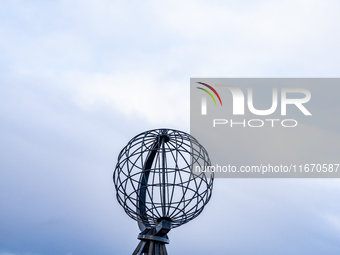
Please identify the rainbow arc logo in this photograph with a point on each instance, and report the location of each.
(209, 93)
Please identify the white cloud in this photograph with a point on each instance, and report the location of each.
(141, 94)
(135, 58)
(333, 221)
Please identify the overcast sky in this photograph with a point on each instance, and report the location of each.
(80, 78)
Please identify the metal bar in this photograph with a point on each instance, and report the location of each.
(157, 248)
(143, 185)
(163, 250)
(150, 252)
(163, 177)
(139, 247)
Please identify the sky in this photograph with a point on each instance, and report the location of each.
(79, 79)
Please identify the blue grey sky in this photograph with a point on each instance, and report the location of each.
(78, 79)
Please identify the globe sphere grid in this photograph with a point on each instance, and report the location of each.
(155, 178)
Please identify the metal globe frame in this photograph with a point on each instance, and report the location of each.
(157, 186)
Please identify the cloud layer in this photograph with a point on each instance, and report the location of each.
(80, 78)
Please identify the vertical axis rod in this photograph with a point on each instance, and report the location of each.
(163, 176)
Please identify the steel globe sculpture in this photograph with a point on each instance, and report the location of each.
(157, 185)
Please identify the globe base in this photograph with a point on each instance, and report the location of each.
(153, 240)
